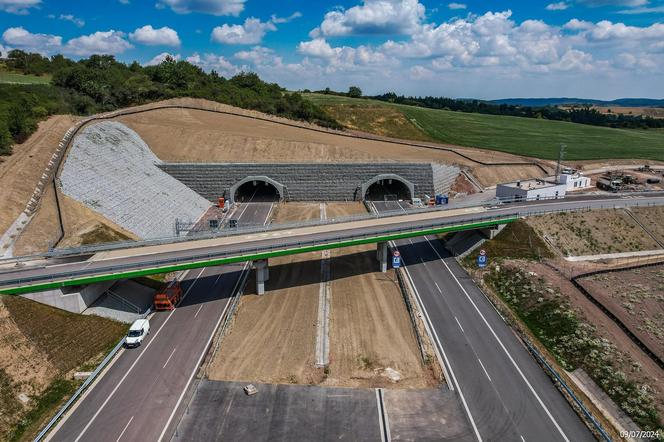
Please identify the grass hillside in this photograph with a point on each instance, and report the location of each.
(521, 136)
(18, 78)
(40, 347)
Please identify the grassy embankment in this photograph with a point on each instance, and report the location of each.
(561, 329)
(19, 78)
(522, 136)
(56, 343)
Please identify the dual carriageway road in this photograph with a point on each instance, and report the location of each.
(140, 396)
(506, 395)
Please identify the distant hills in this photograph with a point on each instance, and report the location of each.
(540, 102)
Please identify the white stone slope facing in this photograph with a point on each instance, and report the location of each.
(111, 170)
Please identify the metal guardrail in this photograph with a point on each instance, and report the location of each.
(87, 250)
(254, 250)
(550, 371)
(79, 391)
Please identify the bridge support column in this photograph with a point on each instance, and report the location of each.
(381, 256)
(491, 232)
(262, 275)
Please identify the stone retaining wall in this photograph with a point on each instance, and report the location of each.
(311, 182)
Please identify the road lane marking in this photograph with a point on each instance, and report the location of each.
(124, 429)
(516, 366)
(200, 359)
(484, 368)
(199, 310)
(117, 386)
(460, 326)
(524, 440)
(169, 358)
(439, 290)
(447, 367)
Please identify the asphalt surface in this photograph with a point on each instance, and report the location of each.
(505, 394)
(140, 395)
(291, 238)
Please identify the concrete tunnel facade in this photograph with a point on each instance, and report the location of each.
(312, 181)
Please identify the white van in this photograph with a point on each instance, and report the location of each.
(137, 332)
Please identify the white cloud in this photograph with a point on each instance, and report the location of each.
(420, 73)
(578, 25)
(249, 33)
(257, 55)
(560, 6)
(214, 7)
(606, 30)
(159, 58)
(148, 35)
(455, 6)
(373, 17)
(20, 7)
(22, 39)
(643, 10)
(218, 63)
(598, 3)
(70, 18)
(109, 42)
(278, 20)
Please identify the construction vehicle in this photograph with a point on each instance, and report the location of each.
(168, 297)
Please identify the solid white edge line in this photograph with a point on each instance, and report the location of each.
(154, 338)
(386, 418)
(530, 387)
(449, 372)
(200, 359)
(380, 416)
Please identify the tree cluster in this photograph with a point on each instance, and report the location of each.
(101, 83)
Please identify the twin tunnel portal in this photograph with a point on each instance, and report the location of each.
(263, 189)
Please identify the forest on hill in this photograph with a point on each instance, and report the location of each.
(101, 83)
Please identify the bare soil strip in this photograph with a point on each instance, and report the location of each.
(273, 337)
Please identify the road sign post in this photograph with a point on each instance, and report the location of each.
(396, 259)
(482, 259)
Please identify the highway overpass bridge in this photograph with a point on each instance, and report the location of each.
(140, 260)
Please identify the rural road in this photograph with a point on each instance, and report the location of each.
(239, 245)
(139, 397)
(505, 393)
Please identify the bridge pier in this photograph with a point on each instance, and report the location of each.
(262, 275)
(381, 255)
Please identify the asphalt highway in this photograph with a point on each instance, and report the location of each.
(506, 395)
(140, 396)
(239, 245)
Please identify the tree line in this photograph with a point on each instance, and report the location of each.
(101, 83)
(582, 114)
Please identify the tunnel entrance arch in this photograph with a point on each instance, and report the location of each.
(387, 186)
(256, 188)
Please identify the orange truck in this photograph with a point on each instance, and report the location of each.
(168, 297)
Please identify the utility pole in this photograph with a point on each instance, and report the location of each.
(561, 154)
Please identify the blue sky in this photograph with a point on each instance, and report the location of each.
(588, 48)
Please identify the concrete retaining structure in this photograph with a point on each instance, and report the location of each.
(311, 182)
(110, 169)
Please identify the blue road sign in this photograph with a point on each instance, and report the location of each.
(481, 261)
(396, 260)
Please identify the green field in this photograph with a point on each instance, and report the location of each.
(16, 78)
(522, 136)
